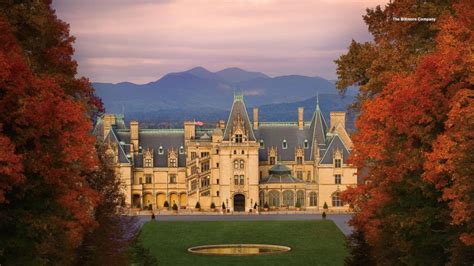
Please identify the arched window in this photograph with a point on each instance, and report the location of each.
(288, 198)
(306, 144)
(181, 149)
(262, 144)
(336, 201)
(242, 164)
(236, 164)
(313, 199)
(160, 150)
(274, 198)
(284, 145)
(300, 197)
(261, 200)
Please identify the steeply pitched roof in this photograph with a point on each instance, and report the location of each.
(335, 142)
(273, 135)
(238, 111)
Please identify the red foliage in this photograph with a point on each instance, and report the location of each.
(45, 142)
(416, 133)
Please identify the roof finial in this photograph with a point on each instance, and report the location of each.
(317, 100)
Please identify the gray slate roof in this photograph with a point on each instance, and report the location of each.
(238, 109)
(273, 135)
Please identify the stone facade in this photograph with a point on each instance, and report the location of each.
(238, 163)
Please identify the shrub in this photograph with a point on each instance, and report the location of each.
(324, 215)
(266, 205)
(166, 205)
(255, 206)
(223, 206)
(298, 204)
(325, 206)
(198, 205)
(175, 207)
(213, 206)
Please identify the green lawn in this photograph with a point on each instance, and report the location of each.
(312, 242)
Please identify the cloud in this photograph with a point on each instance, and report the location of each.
(141, 40)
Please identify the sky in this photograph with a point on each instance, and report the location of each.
(142, 40)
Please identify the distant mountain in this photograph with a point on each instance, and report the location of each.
(201, 88)
(236, 75)
(282, 112)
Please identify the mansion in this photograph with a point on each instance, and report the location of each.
(240, 163)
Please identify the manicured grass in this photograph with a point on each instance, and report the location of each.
(312, 242)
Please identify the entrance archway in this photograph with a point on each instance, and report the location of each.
(239, 203)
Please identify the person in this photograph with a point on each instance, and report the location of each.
(152, 216)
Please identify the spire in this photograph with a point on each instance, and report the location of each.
(238, 118)
(317, 101)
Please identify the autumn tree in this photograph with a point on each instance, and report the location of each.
(54, 189)
(415, 140)
(397, 46)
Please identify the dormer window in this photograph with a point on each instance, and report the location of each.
(284, 145)
(262, 145)
(173, 162)
(272, 160)
(337, 163)
(181, 149)
(161, 150)
(238, 138)
(148, 162)
(306, 144)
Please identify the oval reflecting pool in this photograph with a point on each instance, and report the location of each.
(239, 249)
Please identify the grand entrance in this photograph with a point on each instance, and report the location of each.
(239, 203)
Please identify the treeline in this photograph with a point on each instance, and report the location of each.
(59, 197)
(415, 137)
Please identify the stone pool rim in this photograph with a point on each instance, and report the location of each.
(279, 249)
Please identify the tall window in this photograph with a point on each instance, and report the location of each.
(193, 170)
(193, 155)
(204, 154)
(337, 163)
(205, 181)
(299, 160)
(172, 179)
(336, 201)
(337, 179)
(238, 138)
(308, 177)
(236, 164)
(242, 164)
(239, 180)
(148, 162)
(194, 184)
(261, 196)
(148, 179)
(299, 175)
(274, 198)
(204, 167)
(284, 145)
(288, 198)
(300, 197)
(313, 200)
(272, 160)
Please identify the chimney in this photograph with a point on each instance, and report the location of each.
(300, 118)
(109, 121)
(336, 118)
(222, 124)
(189, 130)
(134, 135)
(255, 118)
